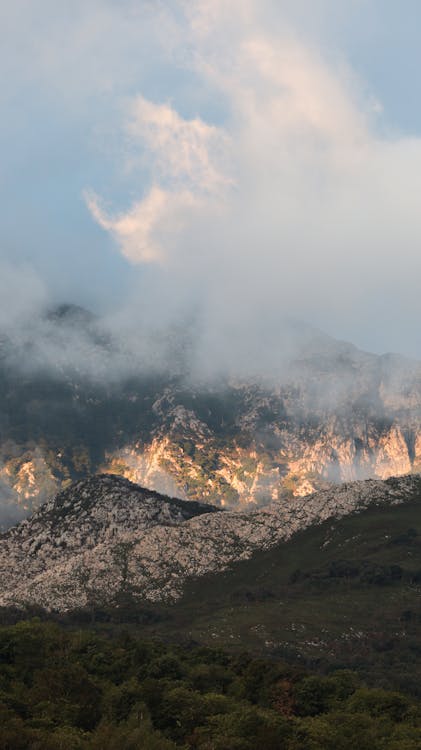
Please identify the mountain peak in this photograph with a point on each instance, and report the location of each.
(105, 489)
(106, 499)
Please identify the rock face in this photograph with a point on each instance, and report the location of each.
(105, 536)
(332, 414)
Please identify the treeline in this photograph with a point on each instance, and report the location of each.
(66, 689)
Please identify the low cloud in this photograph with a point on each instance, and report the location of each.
(250, 178)
(22, 295)
(297, 205)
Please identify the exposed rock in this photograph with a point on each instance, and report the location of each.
(332, 414)
(106, 535)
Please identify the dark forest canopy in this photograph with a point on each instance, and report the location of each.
(64, 689)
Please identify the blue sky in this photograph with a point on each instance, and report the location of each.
(133, 148)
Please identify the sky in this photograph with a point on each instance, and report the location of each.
(233, 162)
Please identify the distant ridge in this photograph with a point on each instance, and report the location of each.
(78, 397)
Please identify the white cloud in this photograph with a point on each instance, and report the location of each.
(296, 204)
(146, 232)
(183, 156)
(262, 179)
(184, 152)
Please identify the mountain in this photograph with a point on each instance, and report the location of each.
(342, 594)
(77, 398)
(105, 537)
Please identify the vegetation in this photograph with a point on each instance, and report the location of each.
(66, 689)
(342, 595)
(313, 645)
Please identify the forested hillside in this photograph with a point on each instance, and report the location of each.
(78, 690)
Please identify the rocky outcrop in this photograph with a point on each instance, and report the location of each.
(105, 536)
(235, 476)
(333, 414)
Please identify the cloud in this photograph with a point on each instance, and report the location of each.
(182, 156)
(235, 159)
(146, 232)
(299, 203)
(22, 295)
(183, 151)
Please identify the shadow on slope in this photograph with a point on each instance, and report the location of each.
(345, 594)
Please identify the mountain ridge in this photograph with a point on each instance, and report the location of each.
(76, 551)
(76, 400)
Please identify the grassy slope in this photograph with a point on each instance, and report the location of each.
(368, 618)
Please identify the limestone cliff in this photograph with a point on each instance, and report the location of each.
(333, 414)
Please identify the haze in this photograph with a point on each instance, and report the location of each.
(232, 164)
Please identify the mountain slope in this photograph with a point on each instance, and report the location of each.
(342, 594)
(105, 536)
(76, 399)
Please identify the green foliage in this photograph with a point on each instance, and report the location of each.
(78, 690)
(380, 703)
(341, 595)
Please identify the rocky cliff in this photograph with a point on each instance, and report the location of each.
(332, 414)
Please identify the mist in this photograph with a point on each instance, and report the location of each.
(260, 186)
